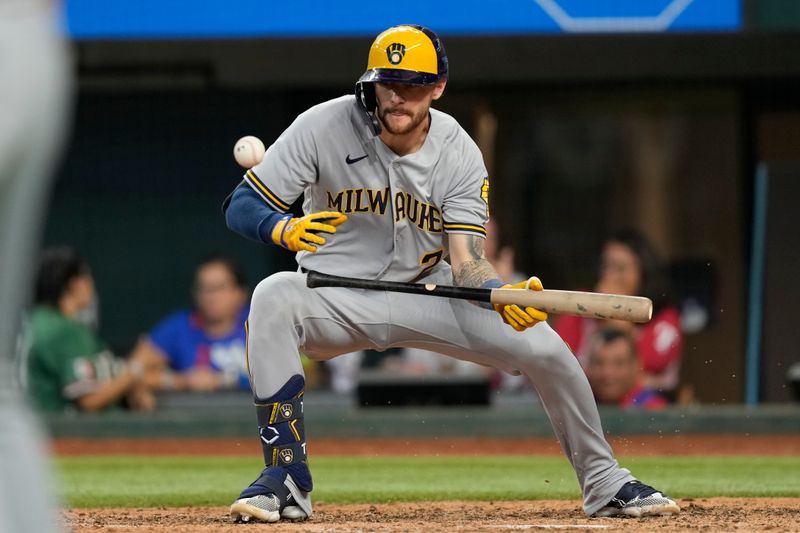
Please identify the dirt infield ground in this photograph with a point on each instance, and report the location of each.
(707, 515)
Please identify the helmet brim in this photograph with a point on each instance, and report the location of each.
(396, 75)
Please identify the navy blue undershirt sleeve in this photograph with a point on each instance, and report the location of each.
(248, 214)
(490, 284)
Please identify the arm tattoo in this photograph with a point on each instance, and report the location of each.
(477, 270)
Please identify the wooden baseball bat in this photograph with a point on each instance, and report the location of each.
(589, 304)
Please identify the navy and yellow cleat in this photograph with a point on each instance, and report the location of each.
(637, 499)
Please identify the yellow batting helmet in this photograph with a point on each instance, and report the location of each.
(406, 54)
(402, 54)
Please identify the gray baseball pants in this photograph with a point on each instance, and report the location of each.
(34, 78)
(286, 317)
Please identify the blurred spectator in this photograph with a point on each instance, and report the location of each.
(614, 373)
(630, 266)
(501, 258)
(68, 365)
(203, 349)
(421, 362)
(793, 378)
(344, 371)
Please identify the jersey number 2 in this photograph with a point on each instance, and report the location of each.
(428, 261)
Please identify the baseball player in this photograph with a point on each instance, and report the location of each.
(391, 188)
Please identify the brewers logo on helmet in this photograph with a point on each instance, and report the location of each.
(395, 53)
(403, 54)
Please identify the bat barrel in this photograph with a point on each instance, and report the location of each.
(588, 304)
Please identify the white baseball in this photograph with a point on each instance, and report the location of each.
(248, 151)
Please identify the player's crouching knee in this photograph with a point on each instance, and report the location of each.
(278, 294)
(549, 353)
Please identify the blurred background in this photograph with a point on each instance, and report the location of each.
(679, 119)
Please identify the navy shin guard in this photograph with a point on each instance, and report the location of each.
(282, 433)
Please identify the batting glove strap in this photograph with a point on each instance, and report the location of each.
(280, 231)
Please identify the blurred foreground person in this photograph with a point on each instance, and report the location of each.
(629, 265)
(203, 349)
(614, 373)
(69, 367)
(34, 82)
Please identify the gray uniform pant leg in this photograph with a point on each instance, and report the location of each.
(287, 316)
(465, 331)
(33, 83)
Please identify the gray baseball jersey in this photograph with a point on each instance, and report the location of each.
(399, 209)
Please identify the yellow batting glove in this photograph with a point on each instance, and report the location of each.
(516, 317)
(302, 233)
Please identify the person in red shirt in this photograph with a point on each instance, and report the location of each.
(629, 265)
(614, 373)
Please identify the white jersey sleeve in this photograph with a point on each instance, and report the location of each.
(466, 205)
(289, 165)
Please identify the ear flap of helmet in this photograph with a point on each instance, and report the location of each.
(365, 95)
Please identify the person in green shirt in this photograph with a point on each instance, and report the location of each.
(68, 365)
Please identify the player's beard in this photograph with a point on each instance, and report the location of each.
(416, 120)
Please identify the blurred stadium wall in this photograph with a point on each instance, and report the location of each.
(590, 118)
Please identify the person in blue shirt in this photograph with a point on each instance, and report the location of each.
(203, 348)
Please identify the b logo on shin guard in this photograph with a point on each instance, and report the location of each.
(286, 410)
(286, 456)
